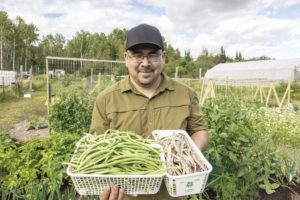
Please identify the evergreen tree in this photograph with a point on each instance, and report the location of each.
(222, 55)
(187, 55)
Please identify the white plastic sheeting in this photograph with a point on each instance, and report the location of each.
(255, 71)
(7, 77)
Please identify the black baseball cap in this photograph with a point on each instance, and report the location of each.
(144, 34)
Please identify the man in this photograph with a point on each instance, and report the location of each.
(147, 100)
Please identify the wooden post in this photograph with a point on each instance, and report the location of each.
(99, 79)
(3, 85)
(48, 83)
(91, 84)
(200, 74)
(176, 73)
(256, 92)
(207, 92)
(276, 95)
(201, 91)
(285, 94)
(263, 93)
(21, 72)
(30, 79)
(260, 92)
(269, 94)
(213, 89)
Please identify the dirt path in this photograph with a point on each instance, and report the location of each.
(20, 132)
(16, 110)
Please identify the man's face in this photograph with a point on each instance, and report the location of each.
(145, 63)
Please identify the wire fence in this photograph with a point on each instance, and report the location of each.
(64, 72)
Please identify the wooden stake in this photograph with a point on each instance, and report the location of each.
(284, 96)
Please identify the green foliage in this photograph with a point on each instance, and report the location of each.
(7, 154)
(279, 126)
(36, 167)
(295, 89)
(242, 157)
(37, 123)
(72, 113)
(67, 80)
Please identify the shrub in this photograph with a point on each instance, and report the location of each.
(72, 112)
(241, 156)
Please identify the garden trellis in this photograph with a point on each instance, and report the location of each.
(254, 79)
(259, 90)
(62, 73)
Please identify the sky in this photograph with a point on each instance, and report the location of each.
(253, 27)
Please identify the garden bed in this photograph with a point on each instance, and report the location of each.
(291, 192)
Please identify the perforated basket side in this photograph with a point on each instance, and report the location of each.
(133, 185)
(190, 183)
(182, 185)
(93, 184)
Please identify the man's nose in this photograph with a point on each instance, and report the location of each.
(145, 60)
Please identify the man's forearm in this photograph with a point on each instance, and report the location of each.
(200, 138)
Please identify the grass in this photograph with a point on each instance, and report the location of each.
(15, 109)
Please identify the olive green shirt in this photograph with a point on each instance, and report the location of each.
(122, 107)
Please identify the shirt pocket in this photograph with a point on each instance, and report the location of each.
(125, 120)
(172, 115)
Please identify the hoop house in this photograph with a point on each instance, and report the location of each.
(256, 71)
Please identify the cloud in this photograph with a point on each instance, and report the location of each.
(254, 27)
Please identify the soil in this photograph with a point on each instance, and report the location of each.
(290, 192)
(21, 134)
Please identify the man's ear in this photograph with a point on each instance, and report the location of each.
(125, 55)
(126, 58)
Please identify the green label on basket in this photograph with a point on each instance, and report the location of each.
(189, 184)
(192, 185)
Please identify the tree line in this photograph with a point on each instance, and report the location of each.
(20, 45)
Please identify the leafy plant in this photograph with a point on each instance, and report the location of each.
(242, 156)
(38, 123)
(35, 169)
(72, 113)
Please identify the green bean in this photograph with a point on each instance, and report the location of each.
(117, 152)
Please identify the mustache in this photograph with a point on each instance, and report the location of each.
(145, 70)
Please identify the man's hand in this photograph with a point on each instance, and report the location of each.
(115, 193)
(200, 138)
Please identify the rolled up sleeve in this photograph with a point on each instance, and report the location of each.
(196, 121)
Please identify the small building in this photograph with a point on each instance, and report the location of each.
(7, 77)
(286, 70)
(57, 72)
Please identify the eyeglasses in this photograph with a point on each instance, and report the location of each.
(138, 58)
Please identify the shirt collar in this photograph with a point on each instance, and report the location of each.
(126, 86)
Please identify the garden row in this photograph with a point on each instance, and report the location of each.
(251, 149)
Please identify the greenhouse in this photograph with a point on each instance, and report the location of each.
(255, 72)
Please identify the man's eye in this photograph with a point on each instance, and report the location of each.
(154, 55)
(137, 56)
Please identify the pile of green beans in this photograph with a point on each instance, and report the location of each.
(117, 153)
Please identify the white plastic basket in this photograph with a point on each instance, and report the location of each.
(190, 183)
(93, 184)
